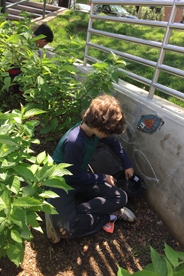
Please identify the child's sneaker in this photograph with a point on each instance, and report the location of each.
(125, 214)
(109, 227)
(51, 232)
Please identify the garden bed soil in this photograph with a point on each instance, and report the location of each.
(99, 254)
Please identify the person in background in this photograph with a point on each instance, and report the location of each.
(45, 30)
(103, 202)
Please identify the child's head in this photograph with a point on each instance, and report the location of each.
(105, 115)
(45, 30)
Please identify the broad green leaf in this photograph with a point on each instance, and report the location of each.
(115, 77)
(146, 273)
(49, 160)
(18, 217)
(32, 123)
(70, 68)
(57, 183)
(3, 177)
(4, 129)
(149, 267)
(38, 229)
(121, 62)
(28, 191)
(100, 65)
(40, 157)
(13, 38)
(35, 38)
(4, 199)
(179, 273)
(32, 219)
(49, 209)
(7, 165)
(5, 139)
(54, 123)
(180, 255)
(26, 235)
(13, 254)
(34, 168)
(122, 272)
(171, 255)
(14, 184)
(179, 268)
(40, 80)
(46, 129)
(44, 173)
(2, 252)
(6, 149)
(7, 116)
(3, 223)
(28, 129)
(159, 263)
(33, 112)
(31, 159)
(35, 141)
(26, 202)
(169, 268)
(16, 236)
(61, 173)
(48, 194)
(47, 69)
(24, 172)
(18, 119)
(63, 166)
(7, 82)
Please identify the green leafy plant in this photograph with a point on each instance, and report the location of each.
(52, 84)
(172, 263)
(23, 181)
(56, 92)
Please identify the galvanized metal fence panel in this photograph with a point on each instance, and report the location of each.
(162, 46)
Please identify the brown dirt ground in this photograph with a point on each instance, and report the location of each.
(99, 254)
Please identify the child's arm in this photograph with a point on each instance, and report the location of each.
(117, 148)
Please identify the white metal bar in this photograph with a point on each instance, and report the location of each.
(90, 23)
(162, 51)
(127, 38)
(124, 55)
(162, 45)
(139, 3)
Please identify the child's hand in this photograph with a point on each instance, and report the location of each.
(129, 173)
(109, 179)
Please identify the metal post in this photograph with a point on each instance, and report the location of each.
(162, 51)
(44, 7)
(3, 6)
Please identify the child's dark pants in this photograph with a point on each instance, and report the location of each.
(99, 201)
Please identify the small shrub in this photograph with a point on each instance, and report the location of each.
(172, 263)
(23, 178)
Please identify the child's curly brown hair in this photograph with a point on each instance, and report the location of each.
(105, 114)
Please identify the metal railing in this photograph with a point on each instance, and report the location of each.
(5, 7)
(162, 46)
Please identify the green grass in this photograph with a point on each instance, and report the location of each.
(75, 24)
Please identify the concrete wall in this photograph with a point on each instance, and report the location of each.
(157, 157)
